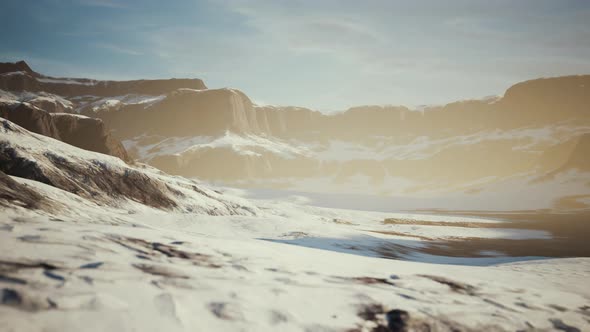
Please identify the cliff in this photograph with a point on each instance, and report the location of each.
(80, 131)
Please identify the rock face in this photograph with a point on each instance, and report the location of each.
(537, 102)
(187, 108)
(186, 112)
(30, 117)
(549, 99)
(20, 66)
(80, 131)
(88, 134)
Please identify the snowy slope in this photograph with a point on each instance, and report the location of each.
(103, 178)
(104, 104)
(47, 101)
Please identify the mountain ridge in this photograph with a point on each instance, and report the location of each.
(20, 77)
(467, 146)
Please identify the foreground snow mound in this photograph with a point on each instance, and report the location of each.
(61, 276)
(104, 179)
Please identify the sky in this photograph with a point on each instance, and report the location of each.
(326, 55)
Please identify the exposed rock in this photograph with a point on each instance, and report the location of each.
(14, 193)
(548, 99)
(10, 297)
(558, 324)
(10, 67)
(455, 286)
(26, 302)
(94, 265)
(89, 134)
(31, 118)
(83, 132)
(397, 320)
(186, 112)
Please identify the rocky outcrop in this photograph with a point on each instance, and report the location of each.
(548, 99)
(11, 67)
(80, 131)
(89, 134)
(30, 117)
(186, 112)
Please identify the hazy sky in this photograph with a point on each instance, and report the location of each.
(326, 55)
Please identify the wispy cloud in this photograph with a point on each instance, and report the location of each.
(116, 49)
(103, 3)
(389, 36)
(327, 54)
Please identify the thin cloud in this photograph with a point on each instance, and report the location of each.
(117, 49)
(103, 3)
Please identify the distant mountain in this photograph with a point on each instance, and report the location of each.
(20, 77)
(474, 148)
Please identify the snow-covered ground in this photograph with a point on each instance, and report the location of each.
(532, 140)
(149, 270)
(35, 98)
(66, 81)
(526, 139)
(248, 145)
(384, 173)
(293, 267)
(100, 104)
(219, 260)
